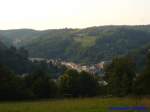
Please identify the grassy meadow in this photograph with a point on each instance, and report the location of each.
(71, 105)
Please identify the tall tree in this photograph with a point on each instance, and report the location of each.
(77, 84)
(142, 82)
(41, 85)
(88, 84)
(120, 75)
(11, 86)
(69, 83)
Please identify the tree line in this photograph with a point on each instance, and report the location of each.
(39, 85)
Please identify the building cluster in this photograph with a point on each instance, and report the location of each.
(52, 61)
(93, 69)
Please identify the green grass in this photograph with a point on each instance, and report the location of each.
(70, 105)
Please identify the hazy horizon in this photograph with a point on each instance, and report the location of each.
(56, 14)
(72, 27)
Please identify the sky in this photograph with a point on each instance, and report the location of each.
(55, 14)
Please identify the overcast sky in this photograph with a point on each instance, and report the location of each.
(50, 14)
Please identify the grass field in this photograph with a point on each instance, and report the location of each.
(71, 105)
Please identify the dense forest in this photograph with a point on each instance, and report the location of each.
(17, 59)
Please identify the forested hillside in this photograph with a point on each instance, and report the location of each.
(18, 37)
(2, 46)
(17, 60)
(90, 45)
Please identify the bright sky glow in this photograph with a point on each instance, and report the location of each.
(50, 14)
